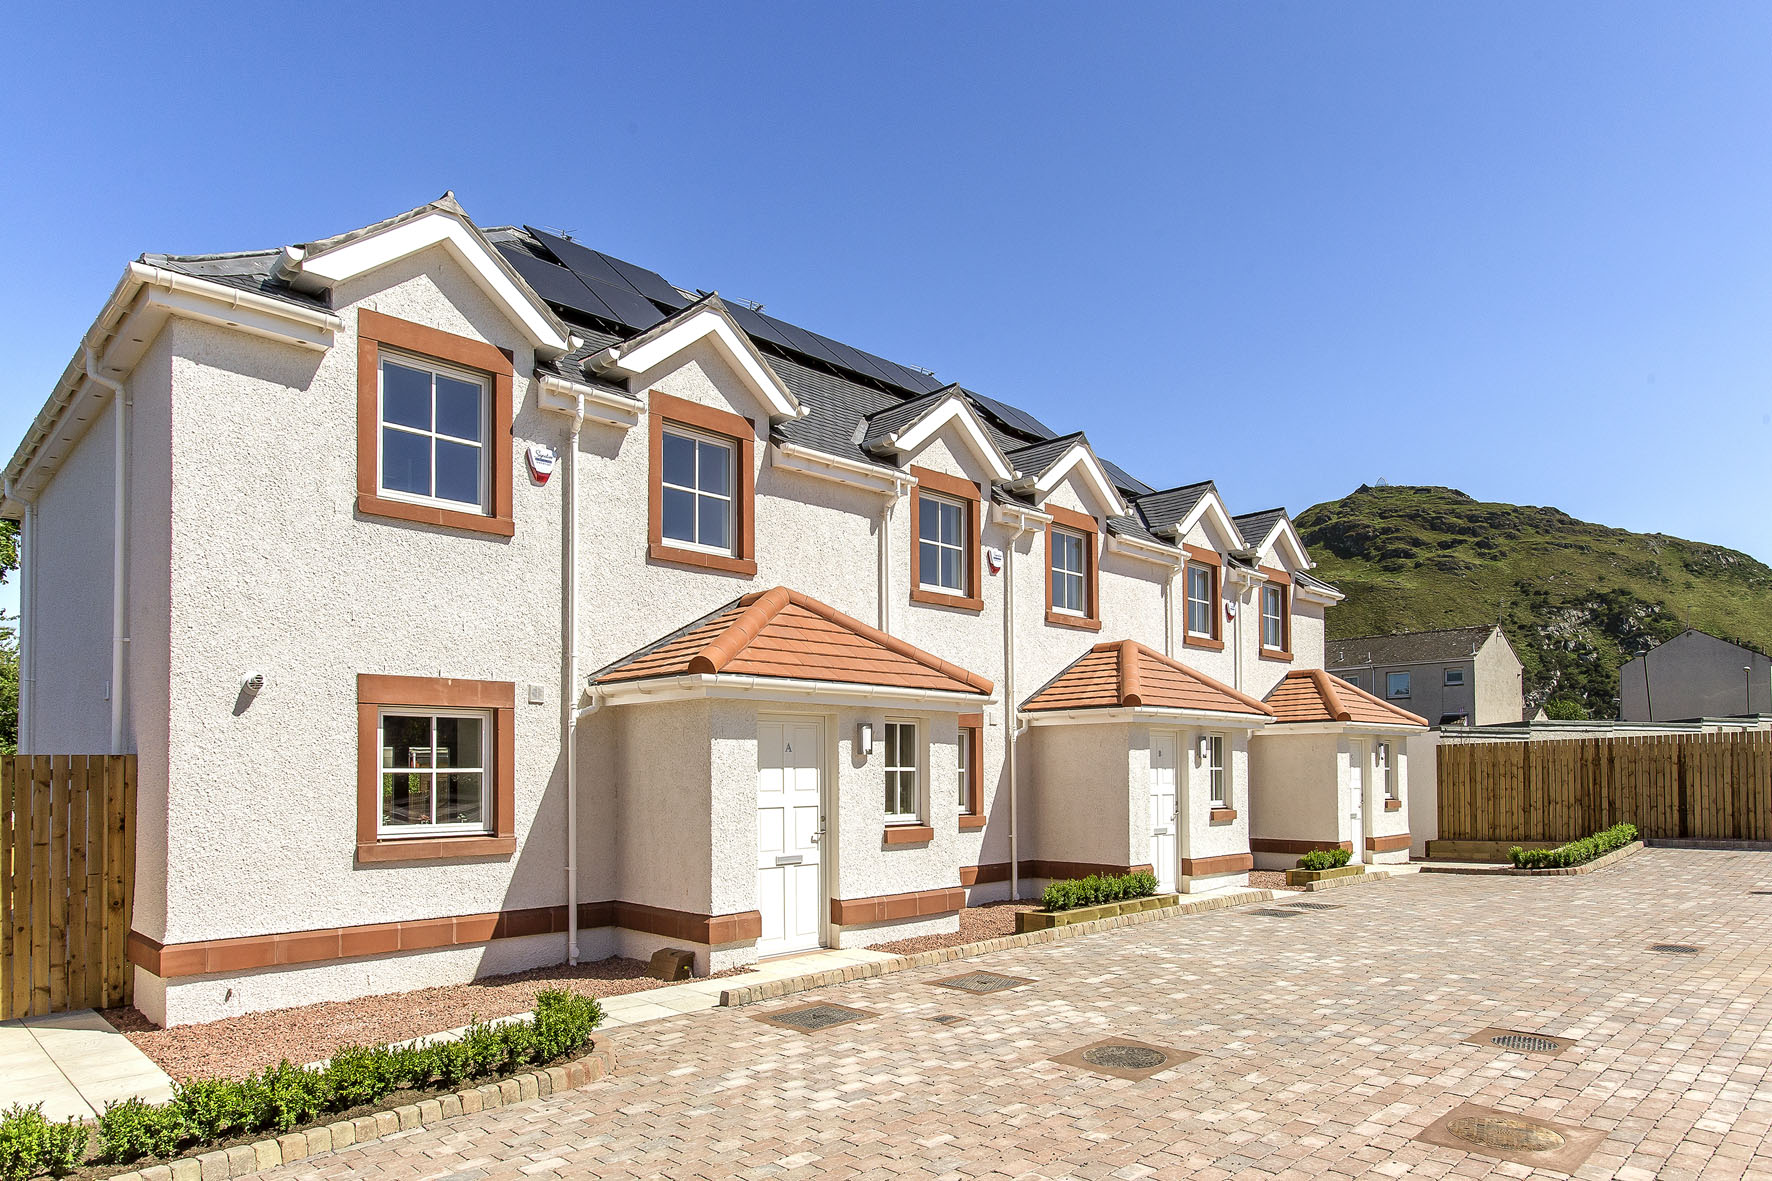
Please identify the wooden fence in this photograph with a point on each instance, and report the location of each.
(1697, 786)
(67, 870)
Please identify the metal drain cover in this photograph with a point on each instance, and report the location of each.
(948, 1019)
(1277, 914)
(1124, 1057)
(812, 1018)
(1520, 1041)
(1674, 948)
(981, 982)
(1506, 1131)
(1313, 905)
(1525, 1041)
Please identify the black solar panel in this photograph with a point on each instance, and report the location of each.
(758, 325)
(1124, 482)
(850, 358)
(558, 285)
(595, 266)
(648, 283)
(802, 341)
(1013, 419)
(630, 308)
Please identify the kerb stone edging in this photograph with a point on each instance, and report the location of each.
(771, 989)
(245, 1159)
(1611, 858)
(1372, 874)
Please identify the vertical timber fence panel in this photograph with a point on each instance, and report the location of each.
(67, 871)
(1707, 786)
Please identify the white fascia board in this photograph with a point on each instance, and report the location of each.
(868, 477)
(1145, 551)
(544, 330)
(1313, 594)
(911, 438)
(563, 395)
(1080, 456)
(690, 686)
(1210, 505)
(1284, 536)
(1143, 713)
(1398, 730)
(633, 359)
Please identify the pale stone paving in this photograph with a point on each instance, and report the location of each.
(1326, 1043)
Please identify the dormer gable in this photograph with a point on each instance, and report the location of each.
(1274, 540)
(1046, 466)
(706, 320)
(1174, 512)
(900, 432)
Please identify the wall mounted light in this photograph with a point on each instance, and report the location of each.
(864, 737)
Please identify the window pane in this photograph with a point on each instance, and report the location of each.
(405, 799)
(679, 514)
(405, 741)
(458, 743)
(928, 518)
(405, 462)
(405, 396)
(907, 746)
(713, 515)
(679, 460)
(458, 408)
(458, 472)
(928, 562)
(950, 524)
(950, 569)
(458, 798)
(716, 468)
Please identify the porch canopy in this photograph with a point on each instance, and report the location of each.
(784, 645)
(1314, 698)
(1124, 679)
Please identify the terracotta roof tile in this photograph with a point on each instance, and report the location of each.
(783, 633)
(1124, 674)
(1312, 695)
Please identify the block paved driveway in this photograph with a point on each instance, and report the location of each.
(1326, 1043)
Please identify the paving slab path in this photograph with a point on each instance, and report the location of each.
(1327, 1040)
(74, 1064)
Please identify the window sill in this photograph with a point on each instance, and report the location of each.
(723, 563)
(909, 834)
(946, 599)
(971, 821)
(1080, 622)
(1393, 805)
(1223, 815)
(1276, 654)
(1193, 641)
(435, 849)
(426, 514)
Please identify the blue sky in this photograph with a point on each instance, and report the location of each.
(1519, 249)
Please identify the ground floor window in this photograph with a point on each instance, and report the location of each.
(436, 768)
(1215, 776)
(902, 796)
(1387, 771)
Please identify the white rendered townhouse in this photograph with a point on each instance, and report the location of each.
(594, 615)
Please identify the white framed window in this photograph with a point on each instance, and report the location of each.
(695, 489)
(1387, 771)
(1354, 680)
(436, 772)
(1396, 684)
(941, 534)
(1454, 677)
(964, 781)
(431, 446)
(903, 799)
(1217, 785)
(1069, 558)
(1201, 617)
(1273, 618)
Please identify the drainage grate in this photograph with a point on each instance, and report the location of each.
(1506, 1132)
(812, 1018)
(1313, 905)
(1278, 914)
(1122, 1057)
(981, 982)
(1526, 1042)
(948, 1019)
(1762, 892)
(1674, 948)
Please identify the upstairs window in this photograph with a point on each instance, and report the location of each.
(941, 541)
(1454, 677)
(1273, 618)
(433, 433)
(696, 490)
(1396, 684)
(1202, 620)
(1069, 578)
(944, 535)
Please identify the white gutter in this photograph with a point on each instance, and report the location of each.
(866, 476)
(689, 685)
(1020, 521)
(119, 538)
(569, 683)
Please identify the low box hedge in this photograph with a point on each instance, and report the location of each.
(203, 1112)
(1575, 852)
(1097, 889)
(1333, 858)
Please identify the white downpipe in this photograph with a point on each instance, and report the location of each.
(1010, 729)
(119, 539)
(885, 579)
(1169, 611)
(569, 690)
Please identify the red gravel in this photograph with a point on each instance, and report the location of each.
(977, 923)
(1268, 879)
(237, 1046)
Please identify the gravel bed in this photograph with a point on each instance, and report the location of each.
(236, 1046)
(977, 923)
(1268, 879)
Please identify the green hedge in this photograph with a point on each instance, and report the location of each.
(1575, 852)
(204, 1111)
(1325, 858)
(1097, 889)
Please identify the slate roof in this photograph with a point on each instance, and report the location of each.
(1312, 695)
(1124, 674)
(882, 423)
(247, 270)
(1448, 644)
(1032, 459)
(1160, 510)
(1256, 526)
(783, 633)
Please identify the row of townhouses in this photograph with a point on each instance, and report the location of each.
(475, 601)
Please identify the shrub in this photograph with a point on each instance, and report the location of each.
(1325, 858)
(64, 1147)
(1097, 889)
(1575, 852)
(31, 1144)
(132, 1129)
(361, 1075)
(213, 1109)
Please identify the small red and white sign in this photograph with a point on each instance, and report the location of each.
(542, 459)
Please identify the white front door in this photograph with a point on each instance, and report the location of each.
(1356, 779)
(790, 815)
(1163, 817)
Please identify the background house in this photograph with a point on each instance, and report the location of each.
(1456, 676)
(1694, 675)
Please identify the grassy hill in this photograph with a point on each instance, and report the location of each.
(1576, 599)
